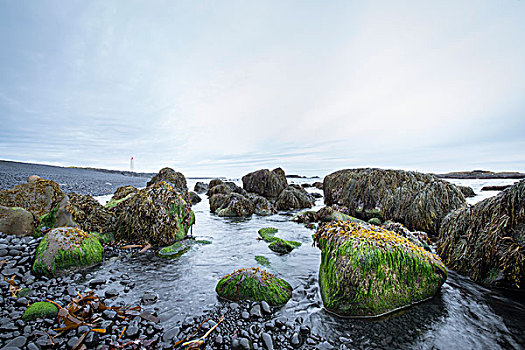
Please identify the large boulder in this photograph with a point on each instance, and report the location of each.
(266, 183)
(262, 206)
(174, 178)
(17, 221)
(66, 248)
(369, 271)
(157, 214)
(38, 196)
(419, 201)
(294, 197)
(255, 285)
(486, 241)
(231, 205)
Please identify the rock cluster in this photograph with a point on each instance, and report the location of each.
(263, 193)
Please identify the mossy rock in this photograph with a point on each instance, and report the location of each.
(268, 234)
(112, 203)
(176, 249)
(368, 271)
(38, 197)
(40, 309)
(282, 246)
(66, 248)
(262, 260)
(256, 285)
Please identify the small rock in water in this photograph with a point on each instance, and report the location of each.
(149, 298)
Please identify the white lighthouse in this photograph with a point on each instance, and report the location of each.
(132, 164)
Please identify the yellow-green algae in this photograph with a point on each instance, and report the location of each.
(40, 309)
(282, 246)
(66, 247)
(256, 285)
(268, 234)
(369, 271)
(262, 260)
(47, 220)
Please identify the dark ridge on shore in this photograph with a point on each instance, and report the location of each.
(482, 174)
(94, 182)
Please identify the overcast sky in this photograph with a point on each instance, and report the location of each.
(226, 87)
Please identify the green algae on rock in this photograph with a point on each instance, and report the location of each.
(268, 233)
(176, 249)
(262, 260)
(367, 271)
(157, 215)
(256, 285)
(486, 241)
(282, 246)
(40, 309)
(64, 248)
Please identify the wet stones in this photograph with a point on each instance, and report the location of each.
(254, 284)
(369, 271)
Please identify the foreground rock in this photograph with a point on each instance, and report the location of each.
(369, 271)
(66, 248)
(419, 201)
(256, 285)
(38, 196)
(157, 215)
(17, 221)
(487, 241)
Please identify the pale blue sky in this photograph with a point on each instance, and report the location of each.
(226, 87)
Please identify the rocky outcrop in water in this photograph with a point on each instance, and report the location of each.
(467, 191)
(156, 214)
(486, 241)
(231, 205)
(65, 248)
(256, 285)
(174, 178)
(419, 201)
(264, 182)
(294, 197)
(200, 187)
(369, 271)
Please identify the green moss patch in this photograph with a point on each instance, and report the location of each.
(176, 249)
(268, 234)
(114, 202)
(283, 247)
(47, 220)
(369, 271)
(66, 247)
(262, 260)
(104, 238)
(256, 285)
(40, 309)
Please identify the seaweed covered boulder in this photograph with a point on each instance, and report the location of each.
(65, 248)
(325, 214)
(467, 191)
(369, 271)
(194, 198)
(156, 214)
(88, 214)
(486, 241)
(264, 182)
(255, 285)
(419, 201)
(17, 221)
(231, 205)
(38, 196)
(294, 197)
(200, 187)
(174, 178)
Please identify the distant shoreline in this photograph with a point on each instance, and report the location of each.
(481, 174)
